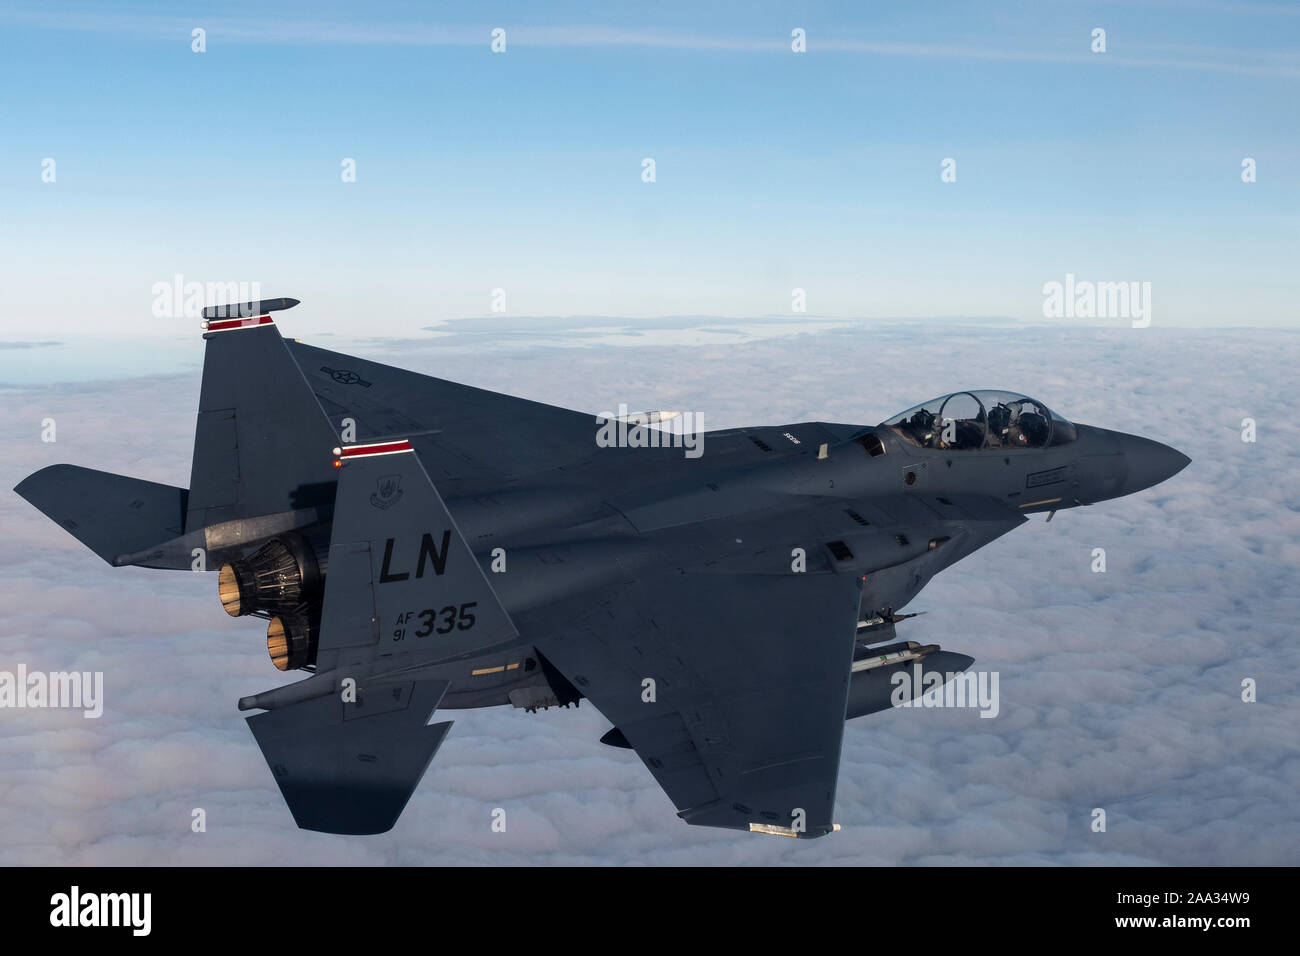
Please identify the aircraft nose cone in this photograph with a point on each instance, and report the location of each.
(1149, 462)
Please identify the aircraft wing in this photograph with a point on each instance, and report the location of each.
(730, 687)
(461, 432)
(477, 435)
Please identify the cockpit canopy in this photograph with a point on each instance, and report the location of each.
(968, 421)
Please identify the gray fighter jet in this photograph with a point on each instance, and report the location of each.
(415, 544)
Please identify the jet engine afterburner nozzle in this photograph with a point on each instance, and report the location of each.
(275, 579)
(291, 638)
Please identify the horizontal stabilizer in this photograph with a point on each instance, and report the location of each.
(110, 514)
(351, 767)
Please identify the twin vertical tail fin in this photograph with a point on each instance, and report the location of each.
(261, 463)
(261, 444)
(401, 574)
(404, 594)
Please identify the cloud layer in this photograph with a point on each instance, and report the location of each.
(1118, 690)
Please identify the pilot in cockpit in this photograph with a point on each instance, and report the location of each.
(999, 422)
(963, 432)
(1028, 430)
(921, 427)
(982, 419)
(1018, 424)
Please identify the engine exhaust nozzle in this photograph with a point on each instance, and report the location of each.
(274, 579)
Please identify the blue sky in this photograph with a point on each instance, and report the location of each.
(522, 170)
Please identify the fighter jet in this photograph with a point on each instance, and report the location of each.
(415, 545)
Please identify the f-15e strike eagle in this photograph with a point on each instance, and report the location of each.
(415, 544)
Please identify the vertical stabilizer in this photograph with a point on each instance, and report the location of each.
(261, 445)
